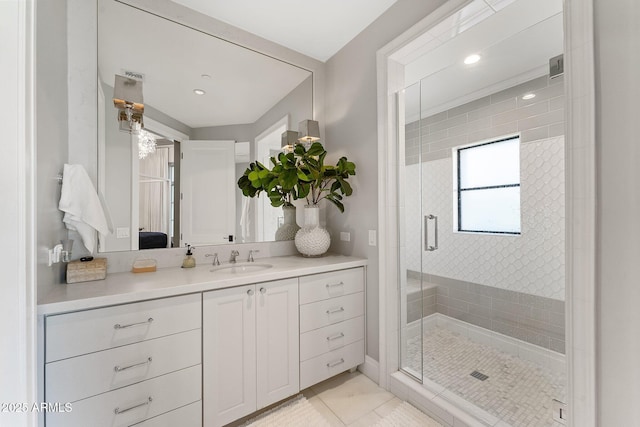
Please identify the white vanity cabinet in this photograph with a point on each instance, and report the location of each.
(126, 364)
(331, 324)
(250, 348)
(198, 349)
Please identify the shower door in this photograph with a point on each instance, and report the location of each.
(415, 224)
(425, 185)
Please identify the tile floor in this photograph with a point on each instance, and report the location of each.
(517, 391)
(349, 399)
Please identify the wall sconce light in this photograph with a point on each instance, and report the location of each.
(308, 132)
(289, 140)
(127, 98)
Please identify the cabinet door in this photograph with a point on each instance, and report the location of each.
(229, 354)
(277, 341)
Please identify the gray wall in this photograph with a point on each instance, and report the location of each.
(351, 130)
(52, 134)
(243, 132)
(298, 104)
(617, 61)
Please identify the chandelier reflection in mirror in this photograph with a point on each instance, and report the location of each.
(146, 144)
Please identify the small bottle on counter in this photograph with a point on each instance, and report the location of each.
(189, 260)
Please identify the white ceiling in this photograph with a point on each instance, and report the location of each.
(243, 85)
(316, 28)
(515, 39)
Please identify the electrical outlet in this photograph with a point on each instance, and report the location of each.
(372, 238)
(345, 236)
(122, 232)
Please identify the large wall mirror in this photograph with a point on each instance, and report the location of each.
(212, 107)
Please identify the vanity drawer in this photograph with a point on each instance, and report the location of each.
(135, 403)
(74, 334)
(187, 416)
(320, 368)
(323, 313)
(332, 337)
(323, 286)
(84, 376)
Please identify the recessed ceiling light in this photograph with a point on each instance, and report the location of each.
(205, 76)
(472, 59)
(199, 92)
(528, 96)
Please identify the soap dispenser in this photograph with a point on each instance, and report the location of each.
(189, 260)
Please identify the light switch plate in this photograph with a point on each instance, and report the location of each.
(372, 238)
(345, 236)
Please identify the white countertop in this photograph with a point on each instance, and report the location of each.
(121, 288)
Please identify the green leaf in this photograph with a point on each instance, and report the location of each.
(303, 190)
(253, 176)
(288, 178)
(316, 149)
(345, 187)
(339, 204)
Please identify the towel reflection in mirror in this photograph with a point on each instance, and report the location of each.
(83, 210)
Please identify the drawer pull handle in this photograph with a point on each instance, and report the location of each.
(263, 290)
(329, 286)
(119, 411)
(335, 337)
(250, 292)
(146, 322)
(335, 310)
(119, 369)
(335, 363)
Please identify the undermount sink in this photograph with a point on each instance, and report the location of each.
(241, 268)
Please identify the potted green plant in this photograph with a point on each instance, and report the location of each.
(279, 185)
(318, 181)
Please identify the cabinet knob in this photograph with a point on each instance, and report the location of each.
(250, 292)
(263, 290)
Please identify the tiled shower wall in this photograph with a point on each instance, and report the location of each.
(525, 272)
(534, 319)
(500, 114)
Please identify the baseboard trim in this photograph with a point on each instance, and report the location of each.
(371, 369)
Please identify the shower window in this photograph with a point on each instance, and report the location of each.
(488, 187)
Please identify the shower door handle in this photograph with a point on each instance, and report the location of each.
(426, 233)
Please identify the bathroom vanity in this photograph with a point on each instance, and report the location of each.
(203, 346)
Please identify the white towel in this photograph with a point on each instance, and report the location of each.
(244, 219)
(82, 209)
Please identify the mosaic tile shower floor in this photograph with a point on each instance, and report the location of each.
(517, 391)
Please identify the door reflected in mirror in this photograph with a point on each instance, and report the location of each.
(212, 107)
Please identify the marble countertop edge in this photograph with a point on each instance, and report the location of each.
(123, 288)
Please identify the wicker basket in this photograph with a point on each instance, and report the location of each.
(79, 271)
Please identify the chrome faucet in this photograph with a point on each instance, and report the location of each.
(251, 252)
(216, 261)
(234, 254)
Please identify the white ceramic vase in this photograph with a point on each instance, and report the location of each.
(312, 240)
(289, 227)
